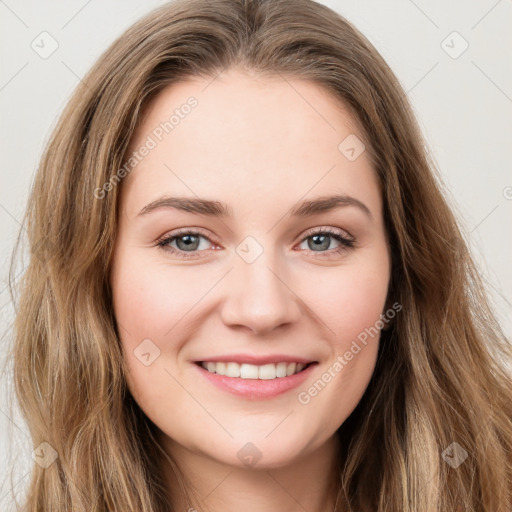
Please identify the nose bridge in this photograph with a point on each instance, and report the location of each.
(258, 297)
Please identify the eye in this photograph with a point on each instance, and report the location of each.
(319, 240)
(188, 242)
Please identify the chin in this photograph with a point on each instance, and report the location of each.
(259, 454)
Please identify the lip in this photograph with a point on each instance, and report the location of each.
(256, 389)
(256, 360)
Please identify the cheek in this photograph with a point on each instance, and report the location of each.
(150, 300)
(147, 307)
(347, 300)
(349, 303)
(163, 304)
(360, 304)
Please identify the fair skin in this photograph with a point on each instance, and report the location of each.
(261, 146)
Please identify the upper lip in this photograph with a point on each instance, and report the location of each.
(256, 360)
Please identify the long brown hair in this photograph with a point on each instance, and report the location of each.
(440, 376)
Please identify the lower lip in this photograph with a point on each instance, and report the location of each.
(257, 388)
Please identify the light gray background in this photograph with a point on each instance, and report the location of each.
(464, 107)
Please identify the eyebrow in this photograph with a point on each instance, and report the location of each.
(211, 208)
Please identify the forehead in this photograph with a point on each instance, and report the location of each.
(236, 99)
(242, 135)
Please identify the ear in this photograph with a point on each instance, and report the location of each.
(391, 309)
(387, 323)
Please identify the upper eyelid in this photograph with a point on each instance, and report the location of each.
(328, 230)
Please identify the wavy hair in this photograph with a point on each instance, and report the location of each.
(441, 374)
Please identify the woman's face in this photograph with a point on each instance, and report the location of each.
(252, 270)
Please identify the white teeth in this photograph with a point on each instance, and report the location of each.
(281, 369)
(232, 370)
(250, 371)
(267, 371)
(221, 368)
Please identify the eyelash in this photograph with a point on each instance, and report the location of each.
(347, 242)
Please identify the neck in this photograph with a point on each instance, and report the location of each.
(309, 483)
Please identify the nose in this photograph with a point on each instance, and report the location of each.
(259, 297)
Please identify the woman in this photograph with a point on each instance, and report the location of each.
(182, 341)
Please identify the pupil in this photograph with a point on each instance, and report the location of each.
(188, 241)
(319, 242)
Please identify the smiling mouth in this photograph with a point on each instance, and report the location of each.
(268, 371)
